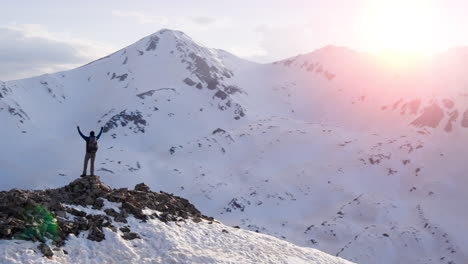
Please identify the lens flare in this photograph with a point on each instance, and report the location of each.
(40, 224)
(402, 27)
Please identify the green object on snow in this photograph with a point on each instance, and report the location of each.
(40, 224)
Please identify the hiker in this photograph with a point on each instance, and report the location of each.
(91, 149)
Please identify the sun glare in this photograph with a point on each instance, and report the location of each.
(404, 27)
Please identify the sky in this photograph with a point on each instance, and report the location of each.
(38, 37)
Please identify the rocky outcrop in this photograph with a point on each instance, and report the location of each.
(303, 64)
(151, 92)
(134, 120)
(51, 215)
(152, 43)
(430, 117)
(121, 77)
(464, 122)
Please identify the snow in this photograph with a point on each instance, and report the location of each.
(181, 242)
(329, 164)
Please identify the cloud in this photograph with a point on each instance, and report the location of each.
(30, 49)
(140, 18)
(178, 22)
(203, 20)
(252, 52)
(278, 42)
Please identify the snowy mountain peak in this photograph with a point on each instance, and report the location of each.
(151, 41)
(175, 33)
(328, 149)
(166, 32)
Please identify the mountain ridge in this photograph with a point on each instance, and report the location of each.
(88, 209)
(338, 156)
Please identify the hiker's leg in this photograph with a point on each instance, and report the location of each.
(93, 157)
(85, 166)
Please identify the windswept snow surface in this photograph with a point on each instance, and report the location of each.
(180, 242)
(334, 149)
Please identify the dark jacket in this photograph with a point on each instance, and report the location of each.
(87, 138)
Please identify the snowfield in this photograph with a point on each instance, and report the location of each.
(180, 242)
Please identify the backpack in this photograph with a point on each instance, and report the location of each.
(92, 145)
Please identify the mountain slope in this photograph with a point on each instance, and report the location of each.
(88, 222)
(183, 243)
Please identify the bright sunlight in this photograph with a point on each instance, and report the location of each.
(405, 27)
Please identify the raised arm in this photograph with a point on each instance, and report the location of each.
(81, 134)
(99, 135)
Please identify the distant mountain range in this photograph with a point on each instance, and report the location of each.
(335, 149)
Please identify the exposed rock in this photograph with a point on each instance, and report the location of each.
(111, 212)
(189, 82)
(172, 150)
(152, 43)
(449, 104)
(288, 61)
(142, 187)
(134, 210)
(319, 69)
(464, 121)
(412, 107)
(231, 89)
(218, 130)
(220, 94)
(151, 92)
(18, 112)
(130, 236)
(328, 75)
(206, 73)
(234, 204)
(431, 117)
(124, 118)
(121, 78)
(452, 118)
(203, 71)
(45, 250)
(96, 234)
(44, 215)
(125, 229)
(145, 94)
(3, 89)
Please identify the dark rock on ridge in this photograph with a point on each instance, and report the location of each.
(41, 215)
(152, 43)
(431, 117)
(125, 118)
(189, 81)
(464, 122)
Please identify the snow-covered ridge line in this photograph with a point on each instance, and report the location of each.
(185, 242)
(52, 215)
(88, 221)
